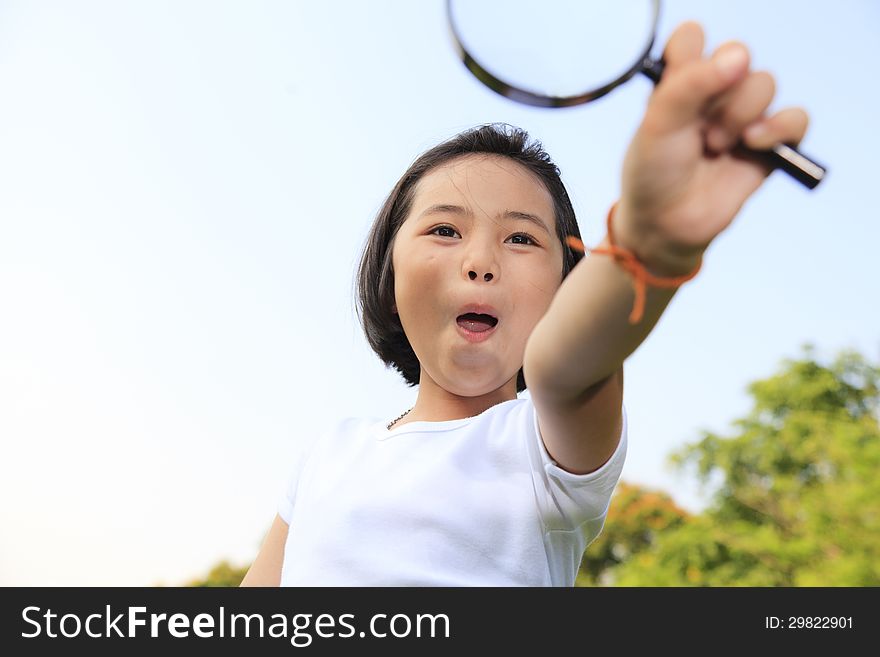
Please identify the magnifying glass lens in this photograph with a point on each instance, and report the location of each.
(560, 53)
(554, 47)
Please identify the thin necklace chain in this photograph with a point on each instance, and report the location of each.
(398, 417)
(390, 424)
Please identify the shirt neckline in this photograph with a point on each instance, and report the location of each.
(432, 426)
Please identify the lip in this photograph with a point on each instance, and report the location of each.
(475, 336)
(480, 309)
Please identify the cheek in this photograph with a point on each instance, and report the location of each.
(418, 286)
(534, 291)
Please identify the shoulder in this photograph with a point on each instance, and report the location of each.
(309, 439)
(314, 450)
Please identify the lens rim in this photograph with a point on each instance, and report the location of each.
(528, 97)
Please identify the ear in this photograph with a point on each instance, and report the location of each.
(394, 308)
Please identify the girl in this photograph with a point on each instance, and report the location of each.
(472, 286)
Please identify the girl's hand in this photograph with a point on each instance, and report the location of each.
(681, 185)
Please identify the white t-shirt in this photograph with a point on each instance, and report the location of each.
(469, 502)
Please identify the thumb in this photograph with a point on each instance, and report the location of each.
(685, 91)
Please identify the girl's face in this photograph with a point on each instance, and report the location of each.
(478, 248)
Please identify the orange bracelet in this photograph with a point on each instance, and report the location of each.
(632, 264)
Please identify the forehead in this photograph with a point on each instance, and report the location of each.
(485, 182)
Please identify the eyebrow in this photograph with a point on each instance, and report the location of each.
(507, 214)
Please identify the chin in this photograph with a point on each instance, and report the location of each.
(473, 388)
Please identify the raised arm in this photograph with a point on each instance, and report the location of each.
(682, 185)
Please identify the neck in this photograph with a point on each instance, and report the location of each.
(436, 404)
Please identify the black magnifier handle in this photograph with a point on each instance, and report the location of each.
(786, 157)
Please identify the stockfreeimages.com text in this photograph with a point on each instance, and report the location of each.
(296, 627)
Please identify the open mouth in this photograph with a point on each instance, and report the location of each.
(477, 322)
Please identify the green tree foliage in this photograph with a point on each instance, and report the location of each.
(636, 518)
(222, 574)
(796, 498)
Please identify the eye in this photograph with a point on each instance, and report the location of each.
(445, 228)
(527, 236)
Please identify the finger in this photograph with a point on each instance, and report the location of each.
(786, 126)
(715, 108)
(742, 105)
(684, 45)
(683, 94)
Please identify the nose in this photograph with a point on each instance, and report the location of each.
(481, 260)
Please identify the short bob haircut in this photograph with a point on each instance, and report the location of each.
(375, 276)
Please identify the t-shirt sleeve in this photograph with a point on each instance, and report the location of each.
(297, 460)
(295, 464)
(567, 501)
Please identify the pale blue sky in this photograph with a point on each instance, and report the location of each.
(184, 191)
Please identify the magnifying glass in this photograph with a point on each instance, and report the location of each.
(562, 53)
